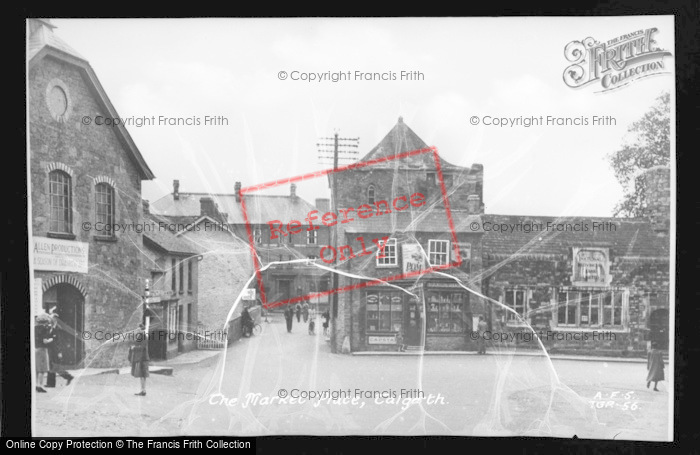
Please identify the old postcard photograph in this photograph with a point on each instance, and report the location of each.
(352, 226)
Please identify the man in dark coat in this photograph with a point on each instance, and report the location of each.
(297, 308)
(55, 355)
(289, 317)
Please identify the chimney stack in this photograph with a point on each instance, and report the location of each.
(658, 198)
(146, 206)
(323, 205)
(293, 190)
(473, 204)
(176, 190)
(207, 207)
(237, 190)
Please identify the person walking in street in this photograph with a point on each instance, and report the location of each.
(297, 309)
(482, 327)
(305, 311)
(289, 317)
(55, 355)
(138, 356)
(42, 328)
(655, 365)
(326, 319)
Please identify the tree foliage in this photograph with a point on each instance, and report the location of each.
(649, 145)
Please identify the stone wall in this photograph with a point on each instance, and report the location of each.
(113, 283)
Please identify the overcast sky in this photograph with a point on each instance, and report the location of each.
(472, 67)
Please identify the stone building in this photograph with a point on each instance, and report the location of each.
(589, 284)
(171, 266)
(84, 179)
(216, 225)
(565, 277)
(431, 311)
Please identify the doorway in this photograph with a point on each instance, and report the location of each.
(414, 326)
(181, 330)
(69, 303)
(158, 336)
(658, 329)
(284, 288)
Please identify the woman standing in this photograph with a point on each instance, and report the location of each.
(655, 365)
(138, 356)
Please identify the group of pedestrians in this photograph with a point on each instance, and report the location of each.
(303, 311)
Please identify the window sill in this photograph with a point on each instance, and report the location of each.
(518, 324)
(60, 235)
(387, 266)
(104, 238)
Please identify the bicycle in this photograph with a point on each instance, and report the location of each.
(257, 330)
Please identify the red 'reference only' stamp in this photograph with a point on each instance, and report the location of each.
(356, 215)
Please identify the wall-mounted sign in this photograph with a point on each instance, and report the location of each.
(413, 258)
(248, 294)
(60, 255)
(374, 339)
(591, 267)
(465, 251)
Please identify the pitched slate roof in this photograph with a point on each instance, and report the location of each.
(165, 239)
(402, 139)
(42, 43)
(259, 208)
(630, 236)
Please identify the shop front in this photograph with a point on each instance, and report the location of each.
(433, 315)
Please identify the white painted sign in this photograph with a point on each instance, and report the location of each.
(37, 296)
(248, 294)
(391, 339)
(412, 257)
(60, 255)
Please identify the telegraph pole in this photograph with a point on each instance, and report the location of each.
(352, 144)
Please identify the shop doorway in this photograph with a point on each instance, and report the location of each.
(414, 326)
(181, 329)
(69, 303)
(284, 288)
(658, 328)
(158, 335)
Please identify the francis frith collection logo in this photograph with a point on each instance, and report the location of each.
(614, 63)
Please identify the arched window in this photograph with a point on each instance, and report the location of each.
(104, 206)
(370, 194)
(60, 202)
